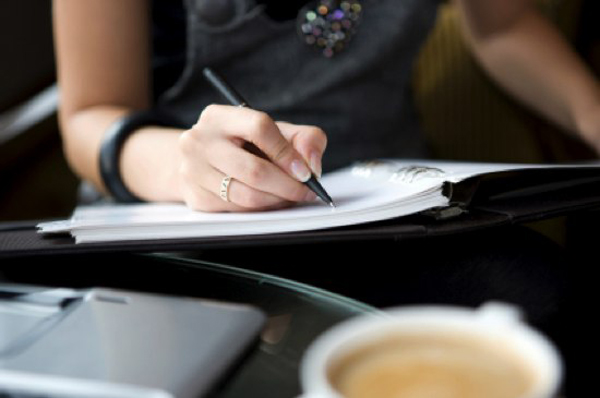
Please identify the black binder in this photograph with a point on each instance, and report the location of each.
(484, 201)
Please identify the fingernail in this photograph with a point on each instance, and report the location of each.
(315, 164)
(310, 196)
(300, 171)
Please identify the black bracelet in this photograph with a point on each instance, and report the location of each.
(112, 144)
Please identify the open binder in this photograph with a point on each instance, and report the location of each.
(400, 199)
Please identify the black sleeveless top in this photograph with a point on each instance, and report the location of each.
(169, 41)
(360, 97)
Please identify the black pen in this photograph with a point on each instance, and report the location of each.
(236, 99)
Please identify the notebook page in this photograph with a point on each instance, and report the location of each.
(366, 192)
(357, 200)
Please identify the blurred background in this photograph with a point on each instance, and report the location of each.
(35, 179)
(463, 114)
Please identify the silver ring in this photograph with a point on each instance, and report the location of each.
(224, 192)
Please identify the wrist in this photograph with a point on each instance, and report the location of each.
(134, 151)
(150, 164)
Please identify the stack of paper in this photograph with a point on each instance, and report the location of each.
(363, 193)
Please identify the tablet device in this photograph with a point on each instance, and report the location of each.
(113, 343)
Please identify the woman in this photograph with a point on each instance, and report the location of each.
(314, 88)
(349, 94)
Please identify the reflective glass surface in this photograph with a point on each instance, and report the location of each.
(297, 312)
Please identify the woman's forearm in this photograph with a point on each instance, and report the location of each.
(149, 158)
(529, 57)
(103, 59)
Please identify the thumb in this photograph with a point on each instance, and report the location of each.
(309, 141)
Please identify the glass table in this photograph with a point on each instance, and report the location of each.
(297, 312)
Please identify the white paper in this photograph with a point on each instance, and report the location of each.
(362, 194)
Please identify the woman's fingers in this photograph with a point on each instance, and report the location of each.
(238, 192)
(240, 197)
(269, 177)
(309, 141)
(207, 164)
(259, 129)
(256, 172)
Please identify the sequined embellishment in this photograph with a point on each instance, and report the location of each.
(328, 25)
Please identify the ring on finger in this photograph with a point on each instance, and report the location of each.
(224, 191)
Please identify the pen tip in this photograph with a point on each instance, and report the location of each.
(332, 205)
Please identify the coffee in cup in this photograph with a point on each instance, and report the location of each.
(433, 352)
(425, 365)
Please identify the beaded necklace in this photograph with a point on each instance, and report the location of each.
(329, 25)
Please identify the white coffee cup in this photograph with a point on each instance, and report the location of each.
(496, 323)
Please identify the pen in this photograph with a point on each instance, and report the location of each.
(236, 99)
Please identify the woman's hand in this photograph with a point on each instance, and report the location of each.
(588, 124)
(215, 148)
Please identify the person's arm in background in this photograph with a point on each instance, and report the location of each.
(103, 58)
(526, 55)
